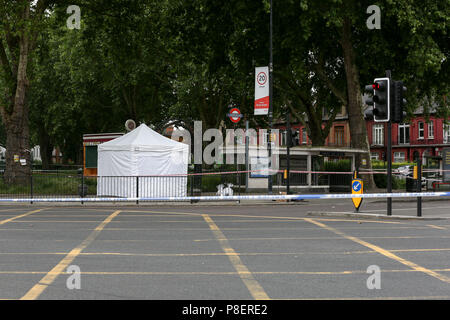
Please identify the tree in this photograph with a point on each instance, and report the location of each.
(93, 79)
(20, 23)
(215, 47)
(336, 30)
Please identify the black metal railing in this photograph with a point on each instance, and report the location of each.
(49, 184)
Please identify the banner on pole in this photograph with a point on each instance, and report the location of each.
(261, 90)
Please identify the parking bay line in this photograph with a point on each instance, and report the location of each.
(436, 227)
(320, 238)
(246, 276)
(206, 254)
(382, 251)
(212, 273)
(267, 217)
(2, 222)
(51, 276)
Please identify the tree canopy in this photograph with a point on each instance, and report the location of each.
(173, 61)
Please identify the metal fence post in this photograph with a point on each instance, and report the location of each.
(191, 178)
(31, 186)
(419, 186)
(137, 189)
(238, 178)
(82, 186)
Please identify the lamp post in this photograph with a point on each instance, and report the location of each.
(269, 149)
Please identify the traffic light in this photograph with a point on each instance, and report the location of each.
(369, 100)
(399, 102)
(380, 90)
(381, 100)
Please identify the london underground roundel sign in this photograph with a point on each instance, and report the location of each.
(235, 115)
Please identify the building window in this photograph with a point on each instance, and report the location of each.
(431, 130)
(421, 128)
(374, 156)
(339, 135)
(304, 136)
(378, 135)
(399, 157)
(446, 133)
(403, 133)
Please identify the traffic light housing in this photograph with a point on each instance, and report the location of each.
(381, 99)
(399, 102)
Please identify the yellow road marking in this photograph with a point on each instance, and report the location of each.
(253, 286)
(163, 212)
(48, 279)
(2, 222)
(221, 253)
(11, 209)
(247, 274)
(265, 217)
(436, 227)
(382, 251)
(57, 221)
(326, 238)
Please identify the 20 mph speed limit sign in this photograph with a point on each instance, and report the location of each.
(261, 90)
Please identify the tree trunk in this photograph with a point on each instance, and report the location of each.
(17, 131)
(19, 37)
(17, 149)
(358, 130)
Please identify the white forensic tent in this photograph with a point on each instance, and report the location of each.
(142, 163)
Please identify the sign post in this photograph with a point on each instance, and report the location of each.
(357, 188)
(418, 177)
(389, 155)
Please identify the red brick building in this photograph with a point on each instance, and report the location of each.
(339, 135)
(418, 138)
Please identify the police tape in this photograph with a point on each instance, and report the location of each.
(234, 198)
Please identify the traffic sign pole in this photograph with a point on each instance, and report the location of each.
(389, 156)
(269, 149)
(419, 186)
(288, 153)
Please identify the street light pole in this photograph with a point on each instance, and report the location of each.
(269, 149)
(389, 156)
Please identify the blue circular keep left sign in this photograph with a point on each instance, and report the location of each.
(356, 185)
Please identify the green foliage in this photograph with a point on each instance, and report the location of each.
(378, 164)
(381, 178)
(338, 166)
(161, 61)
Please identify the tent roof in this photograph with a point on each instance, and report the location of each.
(142, 139)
